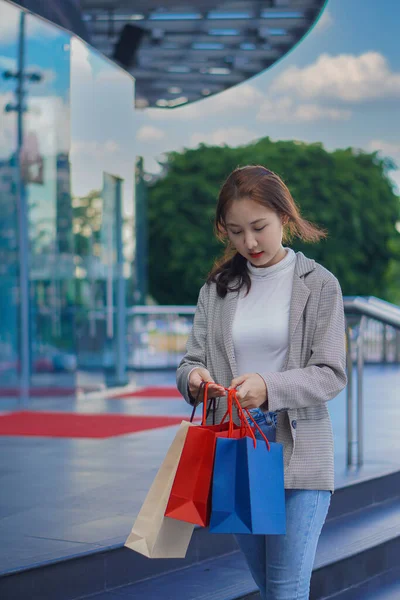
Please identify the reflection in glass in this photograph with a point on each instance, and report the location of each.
(46, 154)
(66, 122)
(9, 259)
(102, 157)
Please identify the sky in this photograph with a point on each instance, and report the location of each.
(83, 105)
(340, 86)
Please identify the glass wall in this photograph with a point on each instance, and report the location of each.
(102, 183)
(67, 159)
(46, 174)
(9, 247)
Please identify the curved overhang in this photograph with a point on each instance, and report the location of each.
(181, 51)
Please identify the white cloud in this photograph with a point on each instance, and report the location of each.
(231, 136)
(46, 120)
(81, 69)
(285, 110)
(324, 22)
(10, 64)
(387, 148)
(8, 126)
(9, 21)
(49, 118)
(345, 77)
(93, 149)
(238, 98)
(6, 63)
(391, 150)
(301, 95)
(148, 133)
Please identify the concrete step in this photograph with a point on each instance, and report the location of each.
(353, 548)
(359, 541)
(385, 586)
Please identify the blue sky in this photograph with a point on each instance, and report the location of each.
(340, 86)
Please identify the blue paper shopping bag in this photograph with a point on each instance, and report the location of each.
(248, 494)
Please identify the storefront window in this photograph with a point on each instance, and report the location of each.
(67, 157)
(9, 259)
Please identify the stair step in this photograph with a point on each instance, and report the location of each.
(385, 586)
(356, 547)
(219, 579)
(357, 495)
(362, 526)
(353, 539)
(357, 531)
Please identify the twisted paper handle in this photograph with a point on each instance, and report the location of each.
(232, 399)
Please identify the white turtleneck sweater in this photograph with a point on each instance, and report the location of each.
(260, 328)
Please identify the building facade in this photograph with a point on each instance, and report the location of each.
(67, 206)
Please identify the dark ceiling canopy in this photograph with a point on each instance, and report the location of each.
(180, 51)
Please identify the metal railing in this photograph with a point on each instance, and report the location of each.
(155, 338)
(360, 313)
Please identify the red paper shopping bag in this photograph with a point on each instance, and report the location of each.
(190, 497)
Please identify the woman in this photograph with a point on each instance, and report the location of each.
(270, 323)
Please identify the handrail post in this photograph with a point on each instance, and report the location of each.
(360, 402)
(349, 391)
(397, 343)
(357, 324)
(384, 343)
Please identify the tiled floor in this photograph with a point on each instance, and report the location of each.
(62, 497)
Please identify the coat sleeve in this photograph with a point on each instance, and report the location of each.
(324, 376)
(195, 351)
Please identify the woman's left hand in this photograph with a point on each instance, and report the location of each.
(253, 390)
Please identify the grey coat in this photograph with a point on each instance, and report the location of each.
(313, 373)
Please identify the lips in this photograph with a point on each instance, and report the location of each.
(256, 254)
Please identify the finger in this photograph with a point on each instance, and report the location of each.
(213, 384)
(241, 395)
(237, 381)
(247, 404)
(215, 388)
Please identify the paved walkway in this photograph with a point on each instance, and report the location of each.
(62, 497)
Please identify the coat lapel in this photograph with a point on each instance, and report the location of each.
(300, 294)
(229, 308)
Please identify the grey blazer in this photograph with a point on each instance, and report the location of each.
(314, 369)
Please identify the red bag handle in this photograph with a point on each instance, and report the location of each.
(232, 399)
(243, 419)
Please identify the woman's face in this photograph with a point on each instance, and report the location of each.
(253, 228)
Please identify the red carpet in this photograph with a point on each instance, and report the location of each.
(72, 425)
(152, 392)
(48, 392)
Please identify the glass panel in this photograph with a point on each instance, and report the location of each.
(9, 262)
(102, 156)
(46, 173)
(71, 287)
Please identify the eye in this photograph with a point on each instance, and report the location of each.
(255, 229)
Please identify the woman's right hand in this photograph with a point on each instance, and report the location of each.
(197, 376)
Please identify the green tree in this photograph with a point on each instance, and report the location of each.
(347, 191)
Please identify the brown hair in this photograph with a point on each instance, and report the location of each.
(268, 189)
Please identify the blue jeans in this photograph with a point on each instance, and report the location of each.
(281, 565)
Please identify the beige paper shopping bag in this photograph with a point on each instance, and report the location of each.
(153, 534)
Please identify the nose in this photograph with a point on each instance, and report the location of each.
(250, 242)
